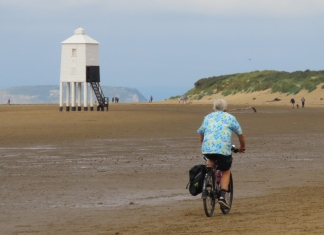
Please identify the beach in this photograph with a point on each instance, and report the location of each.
(125, 171)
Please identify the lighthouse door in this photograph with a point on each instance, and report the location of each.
(93, 74)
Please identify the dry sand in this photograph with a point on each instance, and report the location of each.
(125, 171)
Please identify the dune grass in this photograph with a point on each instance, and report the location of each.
(275, 81)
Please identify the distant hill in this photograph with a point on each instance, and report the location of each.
(274, 81)
(50, 94)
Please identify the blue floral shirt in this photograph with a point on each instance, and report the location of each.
(217, 129)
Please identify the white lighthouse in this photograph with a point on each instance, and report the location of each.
(80, 66)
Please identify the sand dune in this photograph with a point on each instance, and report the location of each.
(265, 98)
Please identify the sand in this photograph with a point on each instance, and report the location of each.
(125, 171)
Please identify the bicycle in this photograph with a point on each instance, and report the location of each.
(211, 189)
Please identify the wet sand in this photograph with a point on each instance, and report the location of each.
(125, 171)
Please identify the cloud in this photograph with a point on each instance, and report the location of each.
(269, 8)
(210, 8)
(47, 5)
(231, 8)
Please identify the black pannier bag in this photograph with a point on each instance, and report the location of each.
(196, 179)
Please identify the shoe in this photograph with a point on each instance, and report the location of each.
(223, 204)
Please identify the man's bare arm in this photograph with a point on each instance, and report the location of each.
(201, 138)
(242, 143)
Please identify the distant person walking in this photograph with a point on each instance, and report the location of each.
(8, 101)
(292, 101)
(303, 102)
(151, 99)
(185, 99)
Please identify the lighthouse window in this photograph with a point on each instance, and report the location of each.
(74, 52)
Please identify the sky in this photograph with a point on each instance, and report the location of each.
(161, 47)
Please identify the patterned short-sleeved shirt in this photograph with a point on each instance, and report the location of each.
(217, 129)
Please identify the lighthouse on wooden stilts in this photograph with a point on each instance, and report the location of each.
(80, 67)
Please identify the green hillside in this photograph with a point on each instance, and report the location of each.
(275, 81)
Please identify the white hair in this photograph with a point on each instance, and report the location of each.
(220, 105)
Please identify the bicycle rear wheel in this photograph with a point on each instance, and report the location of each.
(209, 194)
(229, 196)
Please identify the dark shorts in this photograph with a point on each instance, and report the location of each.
(224, 163)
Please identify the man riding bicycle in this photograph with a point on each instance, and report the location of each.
(216, 139)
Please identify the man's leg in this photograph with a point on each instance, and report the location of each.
(226, 176)
(210, 163)
(225, 179)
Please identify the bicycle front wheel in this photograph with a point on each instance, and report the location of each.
(229, 196)
(209, 194)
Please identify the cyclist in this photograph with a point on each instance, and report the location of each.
(216, 139)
